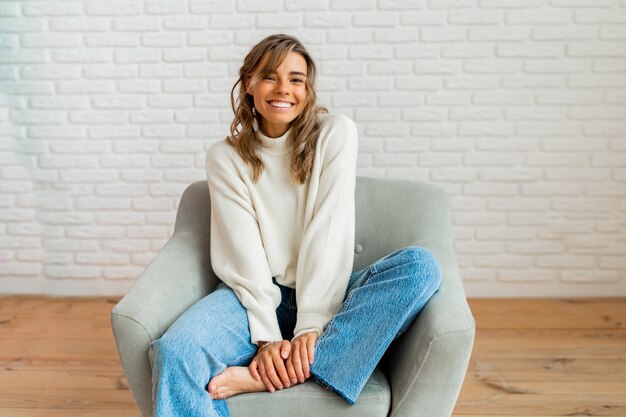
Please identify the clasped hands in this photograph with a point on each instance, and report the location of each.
(282, 364)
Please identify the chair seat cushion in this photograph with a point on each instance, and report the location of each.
(311, 399)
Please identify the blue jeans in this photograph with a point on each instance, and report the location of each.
(381, 302)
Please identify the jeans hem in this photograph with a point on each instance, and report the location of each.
(327, 386)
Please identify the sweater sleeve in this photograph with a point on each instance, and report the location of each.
(237, 253)
(326, 253)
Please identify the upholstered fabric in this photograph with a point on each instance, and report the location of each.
(421, 373)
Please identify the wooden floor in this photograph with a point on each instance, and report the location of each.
(532, 357)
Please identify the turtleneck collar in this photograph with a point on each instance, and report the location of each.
(272, 146)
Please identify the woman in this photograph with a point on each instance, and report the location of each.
(287, 308)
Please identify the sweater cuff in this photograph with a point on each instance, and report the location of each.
(308, 322)
(263, 324)
(303, 331)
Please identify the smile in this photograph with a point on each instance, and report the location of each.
(280, 104)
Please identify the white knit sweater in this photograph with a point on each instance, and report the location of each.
(302, 235)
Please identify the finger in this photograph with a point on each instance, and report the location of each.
(304, 358)
(311, 348)
(285, 349)
(279, 365)
(271, 372)
(290, 371)
(266, 380)
(254, 371)
(297, 363)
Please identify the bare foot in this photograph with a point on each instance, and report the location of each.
(234, 380)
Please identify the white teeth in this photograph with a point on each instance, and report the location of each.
(279, 104)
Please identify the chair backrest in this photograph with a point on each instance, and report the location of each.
(390, 214)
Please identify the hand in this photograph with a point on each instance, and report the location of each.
(302, 355)
(269, 365)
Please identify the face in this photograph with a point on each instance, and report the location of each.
(280, 97)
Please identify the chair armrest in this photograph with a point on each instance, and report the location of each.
(178, 276)
(426, 366)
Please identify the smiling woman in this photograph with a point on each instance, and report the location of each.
(280, 96)
(282, 245)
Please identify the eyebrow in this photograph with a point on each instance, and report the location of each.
(291, 73)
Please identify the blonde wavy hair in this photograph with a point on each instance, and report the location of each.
(305, 129)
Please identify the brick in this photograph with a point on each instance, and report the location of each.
(447, 34)
(72, 272)
(102, 258)
(126, 272)
(552, 189)
(537, 17)
(608, 159)
(445, 159)
(305, 5)
(491, 159)
(556, 159)
(593, 277)
(367, 52)
(21, 270)
(145, 175)
(379, 19)
(518, 204)
(595, 204)
(479, 248)
(212, 6)
(614, 262)
(407, 144)
(479, 218)
(555, 66)
(497, 189)
(422, 114)
(593, 49)
(452, 175)
(565, 261)
(513, 174)
(506, 233)
(102, 203)
(88, 176)
(503, 261)
(528, 275)
(326, 20)
(598, 17)
(136, 24)
(163, 7)
(575, 174)
(401, 4)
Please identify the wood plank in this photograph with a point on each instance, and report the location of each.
(48, 306)
(80, 399)
(568, 343)
(546, 313)
(547, 368)
(50, 328)
(69, 349)
(64, 412)
(59, 364)
(70, 379)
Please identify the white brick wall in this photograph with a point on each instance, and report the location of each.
(516, 107)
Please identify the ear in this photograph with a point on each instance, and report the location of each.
(246, 83)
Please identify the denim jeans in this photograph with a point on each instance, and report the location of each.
(381, 302)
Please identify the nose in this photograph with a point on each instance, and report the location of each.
(282, 87)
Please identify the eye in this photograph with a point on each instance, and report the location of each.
(298, 79)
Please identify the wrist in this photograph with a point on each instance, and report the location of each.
(261, 344)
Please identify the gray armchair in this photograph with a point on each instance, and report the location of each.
(420, 374)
